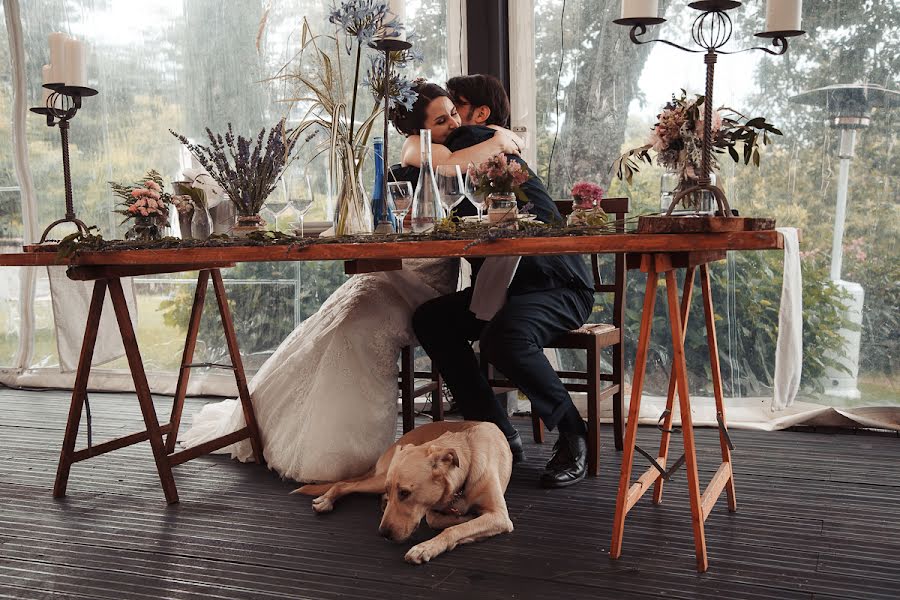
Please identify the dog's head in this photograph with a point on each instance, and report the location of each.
(417, 480)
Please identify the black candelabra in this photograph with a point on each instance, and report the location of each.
(711, 31)
(387, 45)
(61, 106)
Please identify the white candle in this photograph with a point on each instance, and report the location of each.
(783, 15)
(640, 9)
(75, 72)
(45, 78)
(57, 56)
(398, 9)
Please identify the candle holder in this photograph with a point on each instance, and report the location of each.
(387, 45)
(61, 106)
(711, 31)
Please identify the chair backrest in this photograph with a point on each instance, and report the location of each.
(617, 208)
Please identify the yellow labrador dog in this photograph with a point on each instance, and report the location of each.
(452, 473)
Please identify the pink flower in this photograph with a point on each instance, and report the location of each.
(587, 194)
(144, 212)
(133, 208)
(152, 185)
(152, 194)
(136, 193)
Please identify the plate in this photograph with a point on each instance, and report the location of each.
(520, 217)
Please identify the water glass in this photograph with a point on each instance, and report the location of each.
(450, 185)
(470, 185)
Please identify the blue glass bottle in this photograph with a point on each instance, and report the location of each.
(382, 217)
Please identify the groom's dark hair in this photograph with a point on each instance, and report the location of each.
(482, 90)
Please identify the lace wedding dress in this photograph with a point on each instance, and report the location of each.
(326, 400)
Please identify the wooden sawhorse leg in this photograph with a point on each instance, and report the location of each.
(109, 278)
(629, 494)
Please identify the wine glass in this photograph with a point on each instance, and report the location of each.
(470, 186)
(450, 185)
(401, 195)
(275, 203)
(298, 191)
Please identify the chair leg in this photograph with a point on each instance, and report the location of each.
(437, 403)
(537, 427)
(593, 422)
(618, 399)
(407, 388)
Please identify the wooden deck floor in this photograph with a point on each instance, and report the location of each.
(818, 518)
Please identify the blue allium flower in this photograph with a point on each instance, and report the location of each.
(400, 92)
(364, 20)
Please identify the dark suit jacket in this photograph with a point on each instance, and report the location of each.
(534, 272)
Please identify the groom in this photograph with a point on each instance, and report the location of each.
(547, 296)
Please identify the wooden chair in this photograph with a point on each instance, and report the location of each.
(409, 391)
(592, 338)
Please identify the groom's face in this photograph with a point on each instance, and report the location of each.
(470, 114)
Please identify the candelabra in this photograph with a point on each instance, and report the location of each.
(387, 45)
(60, 107)
(711, 31)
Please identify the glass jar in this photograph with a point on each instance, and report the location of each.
(701, 202)
(502, 208)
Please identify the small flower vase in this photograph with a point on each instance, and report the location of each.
(146, 229)
(185, 220)
(502, 209)
(244, 225)
(585, 213)
(352, 210)
(200, 223)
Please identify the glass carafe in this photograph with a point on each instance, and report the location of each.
(426, 209)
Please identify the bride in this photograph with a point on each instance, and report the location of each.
(326, 400)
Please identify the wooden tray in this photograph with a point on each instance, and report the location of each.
(702, 224)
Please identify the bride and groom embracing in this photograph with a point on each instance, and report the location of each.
(326, 400)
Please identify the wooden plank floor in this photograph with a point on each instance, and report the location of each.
(818, 518)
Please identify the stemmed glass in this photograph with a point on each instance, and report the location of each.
(298, 191)
(450, 186)
(469, 188)
(401, 197)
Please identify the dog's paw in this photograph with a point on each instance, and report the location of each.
(422, 553)
(322, 504)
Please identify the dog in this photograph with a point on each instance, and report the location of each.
(453, 473)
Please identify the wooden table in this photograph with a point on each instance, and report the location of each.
(656, 254)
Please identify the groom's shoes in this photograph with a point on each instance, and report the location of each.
(518, 450)
(569, 462)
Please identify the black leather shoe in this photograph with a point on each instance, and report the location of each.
(569, 462)
(518, 450)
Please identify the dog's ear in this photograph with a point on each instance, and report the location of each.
(440, 455)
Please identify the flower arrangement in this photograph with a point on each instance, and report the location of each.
(248, 173)
(677, 139)
(317, 74)
(499, 175)
(586, 194)
(146, 203)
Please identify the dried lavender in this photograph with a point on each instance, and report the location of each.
(248, 176)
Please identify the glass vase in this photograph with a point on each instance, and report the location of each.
(244, 225)
(352, 211)
(502, 209)
(147, 229)
(200, 224)
(701, 202)
(185, 220)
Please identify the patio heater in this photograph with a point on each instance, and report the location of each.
(849, 108)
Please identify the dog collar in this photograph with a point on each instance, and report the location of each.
(458, 495)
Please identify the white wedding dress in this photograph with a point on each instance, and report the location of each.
(326, 400)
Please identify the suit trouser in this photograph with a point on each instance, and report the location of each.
(513, 341)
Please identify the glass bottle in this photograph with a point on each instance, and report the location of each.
(382, 217)
(426, 209)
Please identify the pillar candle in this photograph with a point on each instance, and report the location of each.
(57, 56)
(45, 78)
(398, 8)
(783, 15)
(640, 9)
(76, 66)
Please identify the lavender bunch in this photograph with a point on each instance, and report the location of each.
(248, 173)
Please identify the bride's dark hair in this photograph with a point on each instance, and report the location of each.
(409, 122)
